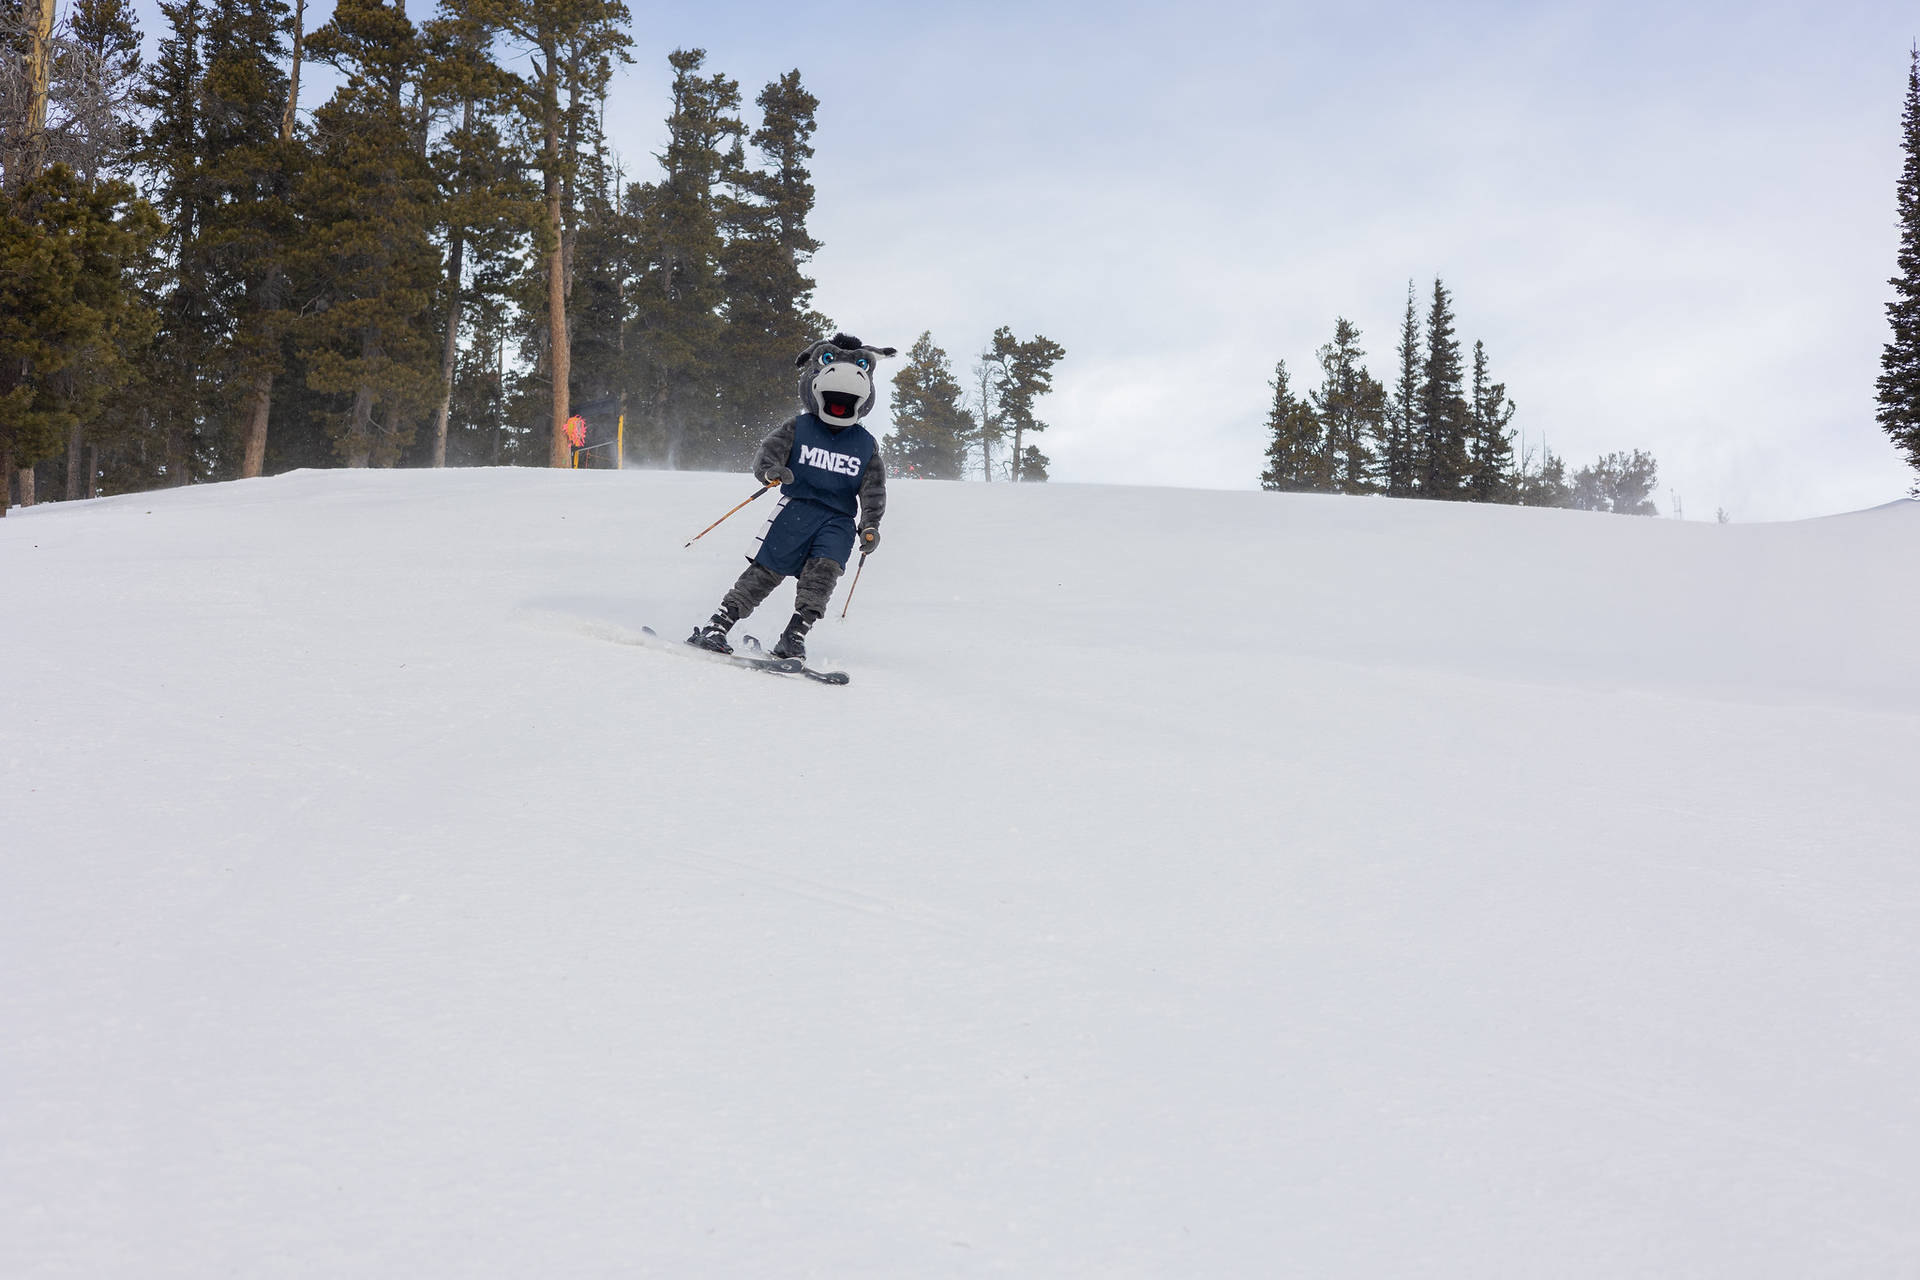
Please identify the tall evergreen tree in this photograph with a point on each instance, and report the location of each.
(1399, 448)
(1899, 382)
(173, 152)
(486, 207)
(768, 307)
(95, 66)
(68, 318)
(1441, 469)
(248, 182)
(368, 198)
(1023, 373)
(1490, 454)
(1295, 455)
(679, 298)
(1352, 409)
(931, 425)
(565, 40)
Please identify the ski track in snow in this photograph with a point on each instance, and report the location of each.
(1187, 884)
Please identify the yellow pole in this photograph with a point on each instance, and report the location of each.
(620, 443)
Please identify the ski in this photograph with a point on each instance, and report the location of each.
(752, 646)
(753, 662)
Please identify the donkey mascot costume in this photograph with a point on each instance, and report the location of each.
(833, 491)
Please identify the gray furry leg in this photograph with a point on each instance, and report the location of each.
(754, 586)
(817, 580)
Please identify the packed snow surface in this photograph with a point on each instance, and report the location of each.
(1188, 884)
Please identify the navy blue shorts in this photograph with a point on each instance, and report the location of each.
(799, 531)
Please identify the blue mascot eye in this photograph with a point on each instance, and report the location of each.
(826, 357)
(862, 362)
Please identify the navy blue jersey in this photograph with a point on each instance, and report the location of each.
(828, 465)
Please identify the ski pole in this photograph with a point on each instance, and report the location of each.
(856, 584)
(723, 519)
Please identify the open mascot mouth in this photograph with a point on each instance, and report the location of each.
(839, 404)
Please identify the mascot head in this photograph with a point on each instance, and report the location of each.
(836, 379)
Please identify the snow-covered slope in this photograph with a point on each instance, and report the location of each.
(1188, 884)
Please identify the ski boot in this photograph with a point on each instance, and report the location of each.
(793, 641)
(713, 636)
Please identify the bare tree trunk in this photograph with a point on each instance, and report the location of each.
(675, 432)
(253, 455)
(390, 446)
(557, 339)
(288, 117)
(6, 478)
(76, 451)
(30, 151)
(499, 389)
(361, 452)
(259, 409)
(562, 361)
(360, 426)
(93, 468)
(451, 351)
(39, 68)
(1016, 452)
(179, 456)
(987, 425)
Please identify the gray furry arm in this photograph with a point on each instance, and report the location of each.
(873, 492)
(774, 451)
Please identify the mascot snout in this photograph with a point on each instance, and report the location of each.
(836, 379)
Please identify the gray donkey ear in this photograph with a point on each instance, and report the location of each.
(889, 351)
(800, 361)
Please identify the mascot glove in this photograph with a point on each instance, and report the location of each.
(778, 475)
(869, 539)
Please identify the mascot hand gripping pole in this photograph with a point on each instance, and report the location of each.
(833, 491)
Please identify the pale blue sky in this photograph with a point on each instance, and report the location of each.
(1671, 224)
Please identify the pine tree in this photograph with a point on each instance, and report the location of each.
(605, 262)
(1441, 421)
(1399, 449)
(486, 207)
(1352, 409)
(768, 307)
(1619, 482)
(247, 178)
(367, 199)
(69, 323)
(931, 425)
(1899, 382)
(1023, 372)
(1294, 449)
(173, 153)
(564, 40)
(678, 324)
(1490, 413)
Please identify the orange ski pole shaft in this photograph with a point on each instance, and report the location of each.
(723, 519)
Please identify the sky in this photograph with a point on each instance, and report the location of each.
(1671, 224)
